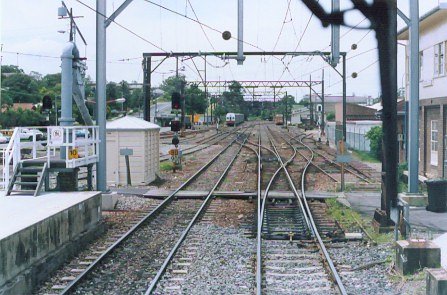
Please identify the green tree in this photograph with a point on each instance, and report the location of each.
(11, 118)
(330, 116)
(172, 84)
(233, 100)
(21, 88)
(6, 69)
(375, 136)
(286, 103)
(195, 100)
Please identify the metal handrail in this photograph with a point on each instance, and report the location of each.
(12, 153)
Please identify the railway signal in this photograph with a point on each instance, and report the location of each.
(175, 125)
(176, 101)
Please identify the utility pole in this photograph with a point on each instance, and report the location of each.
(311, 108)
(322, 103)
(101, 92)
(344, 97)
(413, 110)
(287, 102)
(147, 89)
(206, 95)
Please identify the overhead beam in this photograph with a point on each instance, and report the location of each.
(270, 84)
(117, 12)
(224, 54)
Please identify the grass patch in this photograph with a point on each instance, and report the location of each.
(365, 156)
(349, 218)
(166, 166)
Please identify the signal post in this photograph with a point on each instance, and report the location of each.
(176, 154)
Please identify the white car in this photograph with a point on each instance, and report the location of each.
(28, 134)
(3, 138)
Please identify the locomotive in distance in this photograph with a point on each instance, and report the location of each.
(233, 119)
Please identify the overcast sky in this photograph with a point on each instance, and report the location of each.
(31, 38)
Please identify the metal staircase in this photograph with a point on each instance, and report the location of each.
(28, 178)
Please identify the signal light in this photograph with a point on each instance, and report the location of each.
(175, 141)
(176, 101)
(175, 125)
(47, 104)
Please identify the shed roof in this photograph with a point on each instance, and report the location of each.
(130, 123)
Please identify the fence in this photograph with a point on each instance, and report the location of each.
(354, 140)
(77, 145)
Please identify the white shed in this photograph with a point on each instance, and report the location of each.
(139, 137)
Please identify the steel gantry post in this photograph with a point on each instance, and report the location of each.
(322, 103)
(344, 97)
(147, 89)
(413, 110)
(101, 174)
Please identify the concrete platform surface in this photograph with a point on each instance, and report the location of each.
(367, 202)
(20, 212)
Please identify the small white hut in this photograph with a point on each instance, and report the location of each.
(140, 140)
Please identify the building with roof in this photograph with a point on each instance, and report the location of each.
(138, 139)
(432, 89)
(330, 101)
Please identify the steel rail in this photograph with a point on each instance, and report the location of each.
(313, 227)
(154, 212)
(332, 268)
(356, 174)
(307, 159)
(330, 161)
(194, 149)
(346, 168)
(205, 145)
(171, 254)
(261, 218)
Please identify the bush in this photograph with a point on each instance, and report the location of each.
(375, 136)
(11, 118)
(330, 116)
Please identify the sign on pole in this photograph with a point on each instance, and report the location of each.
(56, 136)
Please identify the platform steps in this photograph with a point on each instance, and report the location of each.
(28, 179)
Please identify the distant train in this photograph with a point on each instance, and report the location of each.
(233, 119)
(279, 120)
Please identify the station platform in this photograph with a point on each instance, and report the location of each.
(37, 234)
(367, 202)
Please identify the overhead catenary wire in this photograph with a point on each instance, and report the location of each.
(112, 61)
(360, 71)
(121, 26)
(286, 67)
(201, 26)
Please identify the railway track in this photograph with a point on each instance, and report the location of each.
(181, 247)
(206, 142)
(283, 271)
(135, 253)
(155, 281)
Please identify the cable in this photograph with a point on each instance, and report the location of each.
(282, 26)
(203, 30)
(121, 26)
(286, 67)
(362, 70)
(117, 61)
(196, 21)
